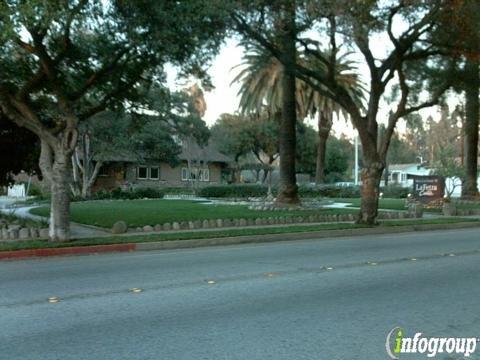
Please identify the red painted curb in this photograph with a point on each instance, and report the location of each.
(17, 254)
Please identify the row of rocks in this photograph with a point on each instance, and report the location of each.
(272, 207)
(467, 201)
(16, 232)
(462, 212)
(121, 227)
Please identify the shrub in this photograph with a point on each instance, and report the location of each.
(119, 194)
(35, 191)
(101, 194)
(149, 193)
(394, 191)
(178, 191)
(330, 191)
(333, 191)
(234, 191)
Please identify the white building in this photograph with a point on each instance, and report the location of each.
(398, 174)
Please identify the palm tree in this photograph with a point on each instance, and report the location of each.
(325, 108)
(260, 79)
(265, 88)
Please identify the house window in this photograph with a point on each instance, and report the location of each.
(395, 177)
(103, 171)
(196, 174)
(206, 174)
(142, 172)
(185, 176)
(154, 173)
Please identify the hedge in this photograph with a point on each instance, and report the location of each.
(233, 191)
(330, 191)
(397, 192)
(117, 194)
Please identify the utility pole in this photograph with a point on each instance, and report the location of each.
(356, 159)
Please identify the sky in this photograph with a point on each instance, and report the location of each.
(224, 97)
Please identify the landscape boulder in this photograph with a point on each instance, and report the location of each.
(23, 233)
(148, 228)
(43, 233)
(120, 227)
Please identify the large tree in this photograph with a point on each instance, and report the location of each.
(64, 61)
(261, 76)
(461, 36)
(357, 23)
(232, 134)
(248, 136)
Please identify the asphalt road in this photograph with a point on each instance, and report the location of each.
(326, 299)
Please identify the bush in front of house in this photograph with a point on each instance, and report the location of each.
(304, 191)
(120, 194)
(178, 191)
(330, 191)
(396, 192)
(233, 191)
(36, 191)
(149, 193)
(255, 190)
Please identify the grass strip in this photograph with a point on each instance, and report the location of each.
(39, 244)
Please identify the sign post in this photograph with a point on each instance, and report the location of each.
(428, 188)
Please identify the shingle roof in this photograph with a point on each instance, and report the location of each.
(121, 156)
(210, 153)
(190, 151)
(402, 166)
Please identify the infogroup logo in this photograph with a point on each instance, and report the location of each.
(397, 343)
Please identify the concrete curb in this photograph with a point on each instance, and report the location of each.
(250, 239)
(308, 235)
(74, 250)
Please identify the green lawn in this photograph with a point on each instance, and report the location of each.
(399, 204)
(105, 213)
(37, 244)
(388, 204)
(468, 206)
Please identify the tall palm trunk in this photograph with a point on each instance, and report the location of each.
(288, 194)
(324, 127)
(472, 86)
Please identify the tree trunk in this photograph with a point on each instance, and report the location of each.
(56, 169)
(75, 185)
(60, 207)
(371, 176)
(288, 192)
(89, 180)
(324, 127)
(265, 176)
(470, 188)
(385, 178)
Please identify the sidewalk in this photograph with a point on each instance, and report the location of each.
(78, 231)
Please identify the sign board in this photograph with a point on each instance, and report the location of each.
(427, 188)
